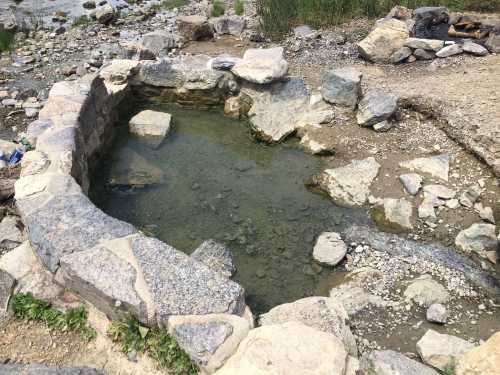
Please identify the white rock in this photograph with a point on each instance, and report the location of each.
(425, 44)
(329, 249)
(261, 66)
(440, 191)
(437, 313)
(425, 291)
(452, 203)
(412, 182)
(454, 49)
(436, 166)
(150, 123)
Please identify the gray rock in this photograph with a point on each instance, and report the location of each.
(451, 50)
(10, 234)
(421, 54)
(105, 14)
(350, 185)
(215, 256)
(412, 182)
(387, 37)
(6, 288)
(276, 110)
(355, 299)
(261, 66)
(440, 191)
(401, 55)
(474, 49)
(35, 129)
(388, 362)
(329, 249)
(426, 208)
(160, 42)
(304, 32)
(478, 238)
(425, 291)
(383, 126)
(493, 43)
(470, 195)
(194, 27)
(376, 106)
(89, 4)
(342, 87)
(180, 285)
(201, 340)
(433, 45)
(393, 215)
(223, 62)
(437, 313)
(403, 247)
(69, 223)
(35, 369)
(231, 25)
(439, 350)
(485, 213)
(321, 313)
(427, 19)
(131, 170)
(150, 123)
(436, 166)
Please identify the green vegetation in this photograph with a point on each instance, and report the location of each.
(157, 343)
(239, 7)
(169, 4)
(82, 20)
(218, 8)
(450, 368)
(6, 40)
(26, 307)
(279, 15)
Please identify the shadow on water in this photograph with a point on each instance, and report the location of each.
(218, 183)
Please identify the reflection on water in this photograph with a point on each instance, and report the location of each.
(218, 183)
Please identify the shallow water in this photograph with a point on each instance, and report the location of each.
(218, 183)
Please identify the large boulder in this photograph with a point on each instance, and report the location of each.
(478, 238)
(329, 249)
(350, 185)
(342, 87)
(426, 291)
(388, 362)
(483, 360)
(160, 42)
(105, 14)
(216, 256)
(209, 340)
(291, 348)
(441, 351)
(393, 215)
(387, 37)
(261, 66)
(321, 313)
(195, 27)
(150, 123)
(376, 106)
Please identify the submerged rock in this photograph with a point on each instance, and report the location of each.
(388, 362)
(261, 66)
(436, 166)
(150, 123)
(426, 291)
(329, 249)
(350, 185)
(216, 256)
(376, 106)
(291, 348)
(440, 351)
(342, 87)
(321, 313)
(387, 37)
(132, 170)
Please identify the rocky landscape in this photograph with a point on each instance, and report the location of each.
(404, 113)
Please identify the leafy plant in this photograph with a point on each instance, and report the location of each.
(450, 368)
(239, 7)
(27, 307)
(157, 343)
(218, 8)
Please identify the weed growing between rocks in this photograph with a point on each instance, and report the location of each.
(157, 343)
(6, 40)
(171, 4)
(218, 8)
(27, 307)
(82, 20)
(239, 7)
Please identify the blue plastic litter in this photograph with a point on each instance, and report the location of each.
(15, 157)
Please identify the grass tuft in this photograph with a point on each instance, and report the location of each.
(82, 20)
(169, 4)
(6, 40)
(218, 8)
(239, 7)
(157, 343)
(27, 307)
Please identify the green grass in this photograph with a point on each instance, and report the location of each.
(157, 343)
(82, 20)
(278, 16)
(6, 40)
(239, 7)
(169, 4)
(26, 307)
(450, 368)
(218, 8)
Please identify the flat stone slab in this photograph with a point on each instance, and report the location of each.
(150, 123)
(180, 285)
(261, 66)
(388, 362)
(35, 369)
(132, 170)
(342, 87)
(435, 166)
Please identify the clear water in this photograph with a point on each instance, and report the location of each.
(218, 183)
